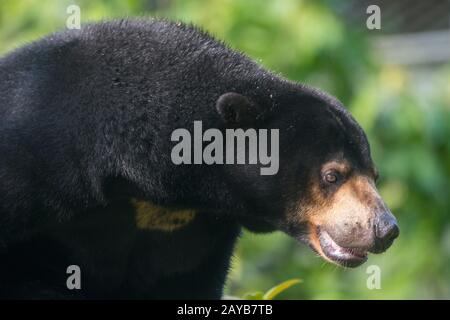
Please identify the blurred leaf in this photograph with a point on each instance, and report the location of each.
(272, 293)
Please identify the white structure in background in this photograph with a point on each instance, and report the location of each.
(414, 48)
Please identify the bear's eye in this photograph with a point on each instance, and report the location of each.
(330, 177)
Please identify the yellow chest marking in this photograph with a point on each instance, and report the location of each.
(152, 217)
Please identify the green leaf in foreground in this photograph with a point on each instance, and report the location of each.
(272, 293)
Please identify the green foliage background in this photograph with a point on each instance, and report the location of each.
(409, 129)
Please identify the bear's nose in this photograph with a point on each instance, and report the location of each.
(386, 230)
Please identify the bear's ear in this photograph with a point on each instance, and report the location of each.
(236, 109)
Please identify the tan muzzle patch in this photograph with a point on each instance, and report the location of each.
(348, 213)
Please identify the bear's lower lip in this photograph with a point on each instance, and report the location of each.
(347, 257)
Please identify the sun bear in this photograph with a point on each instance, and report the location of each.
(88, 179)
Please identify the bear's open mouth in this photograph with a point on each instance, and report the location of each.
(347, 257)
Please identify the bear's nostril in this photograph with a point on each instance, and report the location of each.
(387, 229)
(392, 233)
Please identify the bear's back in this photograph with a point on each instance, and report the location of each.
(122, 62)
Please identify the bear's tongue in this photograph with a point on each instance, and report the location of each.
(337, 253)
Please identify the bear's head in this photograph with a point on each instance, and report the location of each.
(324, 193)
